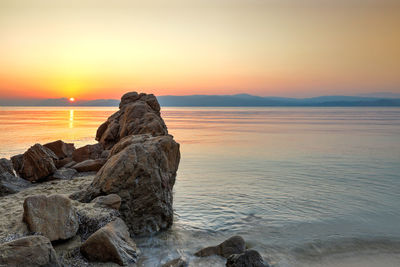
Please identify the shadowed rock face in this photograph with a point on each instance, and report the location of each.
(10, 184)
(60, 149)
(87, 152)
(6, 166)
(138, 114)
(233, 245)
(141, 170)
(111, 243)
(250, 258)
(28, 251)
(53, 216)
(35, 164)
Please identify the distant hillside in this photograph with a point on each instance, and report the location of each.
(240, 100)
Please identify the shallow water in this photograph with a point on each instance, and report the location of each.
(304, 186)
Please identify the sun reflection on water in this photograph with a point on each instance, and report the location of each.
(71, 119)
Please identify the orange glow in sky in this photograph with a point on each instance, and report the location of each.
(98, 49)
(72, 99)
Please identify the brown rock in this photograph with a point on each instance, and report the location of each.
(176, 263)
(90, 165)
(61, 149)
(142, 170)
(27, 252)
(112, 201)
(53, 216)
(250, 258)
(64, 162)
(233, 245)
(111, 243)
(138, 114)
(87, 152)
(65, 173)
(36, 164)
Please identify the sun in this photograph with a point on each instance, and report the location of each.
(72, 99)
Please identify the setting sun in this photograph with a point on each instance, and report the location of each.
(71, 99)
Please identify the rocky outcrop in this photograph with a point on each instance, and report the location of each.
(142, 170)
(10, 184)
(65, 173)
(111, 243)
(35, 164)
(233, 245)
(53, 216)
(89, 165)
(60, 149)
(112, 201)
(28, 251)
(88, 152)
(138, 114)
(176, 263)
(6, 166)
(250, 258)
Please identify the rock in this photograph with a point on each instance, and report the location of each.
(89, 165)
(61, 149)
(105, 154)
(53, 216)
(10, 184)
(112, 201)
(176, 263)
(87, 152)
(233, 245)
(68, 247)
(70, 164)
(250, 258)
(28, 251)
(141, 170)
(65, 173)
(6, 166)
(36, 164)
(111, 243)
(138, 114)
(64, 162)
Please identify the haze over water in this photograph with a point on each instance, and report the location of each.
(304, 186)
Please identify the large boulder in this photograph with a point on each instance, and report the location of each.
(53, 216)
(250, 258)
(141, 170)
(6, 166)
(88, 152)
(60, 149)
(27, 252)
(111, 243)
(10, 184)
(138, 114)
(89, 165)
(35, 164)
(233, 245)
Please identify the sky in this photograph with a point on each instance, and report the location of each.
(293, 48)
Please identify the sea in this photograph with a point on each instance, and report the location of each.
(303, 186)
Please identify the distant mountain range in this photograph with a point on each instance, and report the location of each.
(239, 100)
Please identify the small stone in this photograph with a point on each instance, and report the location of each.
(112, 201)
(176, 263)
(64, 173)
(250, 258)
(233, 245)
(89, 165)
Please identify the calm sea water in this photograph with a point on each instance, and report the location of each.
(304, 186)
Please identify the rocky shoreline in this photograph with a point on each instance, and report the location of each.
(63, 206)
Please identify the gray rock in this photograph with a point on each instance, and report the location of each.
(179, 262)
(89, 165)
(87, 152)
(141, 170)
(65, 173)
(6, 166)
(233, 245)
(10, 184)
(112, 201)
(53, 216)
(250, 258)
(70, 164)
(27, 252)
(36, 163)
(111, 243)
(138, 114)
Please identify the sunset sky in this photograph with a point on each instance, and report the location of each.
(101, 49)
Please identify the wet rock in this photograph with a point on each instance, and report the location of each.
(28, 251)
(112, 201)
(141, 170)
(10, 184)
(250, 258)
(176, 263)
(138, 114)
(60, 149)
(53, 216)
(87, 152)
(36, 163)
(233, 245)
(64, 173)
(6, 166)
(111, 243)
(89, 165)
